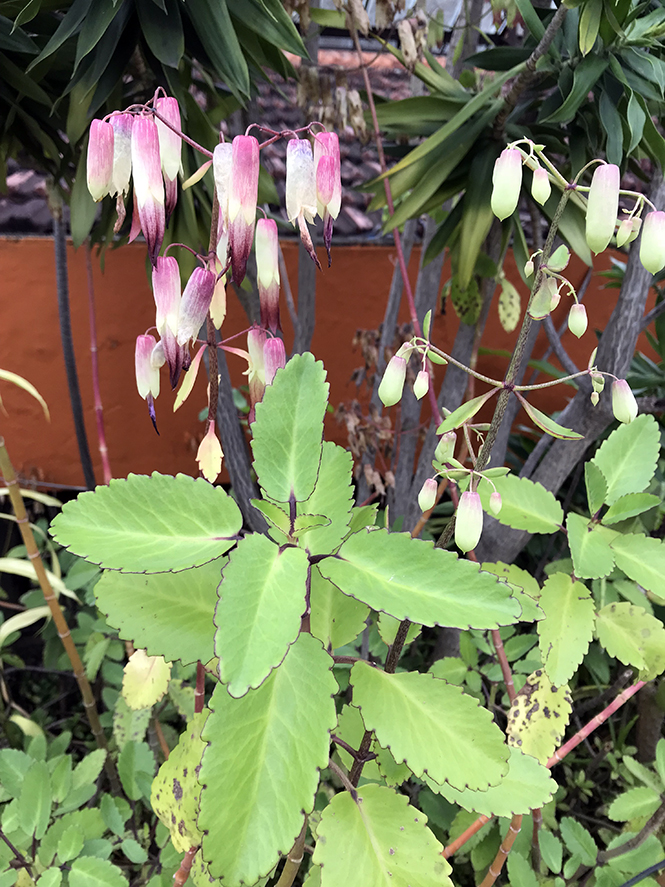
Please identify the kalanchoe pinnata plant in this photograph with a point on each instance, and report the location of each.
(243, 190)
(301, 190)
(100, 159)
(148, 184)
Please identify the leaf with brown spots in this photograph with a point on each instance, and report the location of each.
(538, 717)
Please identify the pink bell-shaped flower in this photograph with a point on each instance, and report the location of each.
(100, 159)
(222, 163)
(210, 455)
(468, 521)
(392, 384)
(256, 376)
(624, 405)
(495, 502)
(267, 272)
(147, 372)
(652, 245)
(602, 206)
(506, 183)
(243, 194)
(148, 183)
(170, 149)
(327, 164)
(122, 153)
(427, 494)
(195, 304)
(274, 358)
(166, 290)
(301, 190)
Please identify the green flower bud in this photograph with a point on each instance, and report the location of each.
(445, 447)
(577, 320)
(468, 521)
(595, 397)
(624, 405)
(652, 245)
(507, 182)
(602, 207)
(540, 186)
(421, 385)
(628, 231)
(392, 384)
(598, 382)
(495, 502)
(427, 494)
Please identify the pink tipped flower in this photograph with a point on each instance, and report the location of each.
(392, 384)
(301, 190)
(577, 320)
(540, 186)
(122, 153)
(210, 455)
(243, 194)
(602, 206)
(468, 521)
(507, 182)
(327, 164)
(147, 372)
(495, 502)
(195, 304)
(652, 245)
(624, 405)
(427, 494)
(445, 448)
(166, 290)
(421, 385)
(222, 163)
(256, 376)
(274, 358)
(170, 149)
(100, 159)
(148, 183)
(267, 272)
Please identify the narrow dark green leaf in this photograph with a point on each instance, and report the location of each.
(585, 77)
(589, 25)
(68, 26)
(162, 30)
(83, 207)
(531, 19)
(27, 14)
(95, 25)
(636, 119)
(269, 19)
(13, 39)
(611, 121)
(214, 27)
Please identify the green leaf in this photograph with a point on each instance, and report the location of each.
(34, 803)
(259, 581)
(162, 31)
(646, 776)
(521, 872)
(538, 716)
(176, 790)
(426, 723)
(566, 631)
(332, 496)
(274, 514)
(589, 25)
(633, 636)
(451, 669)
(527, 785)
(585, 77)
(270, 20)
(629, 506)
(260, 769)
(551, 850)
(525, 589)
(596, 486)
(87, 770)
(128, 724)
(641, 801)
(70, 844)
(377, 839)
(150, 524)
(133, 851)
(525, 505)
(49, 878)
(95, 24)
(69, 25)
(388, 627)
(543, 421)
(114, 814)
(578, 840)
(612, 124)
(636, 118)
(88, 871)
(167, 614)
(660, 759)
(642, 558)
(462, 414)
(335, 618)
(531, 19)
(628, 457)
(14, 764)
(288, 430)
(215, 30)
(410, 579)
(477, 216)
(83, 207)
(136, 768)
(589, 547)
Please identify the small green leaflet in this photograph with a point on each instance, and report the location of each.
(261, 767)
(525, 589)
(596, 487)
(520, 872)
(578, 840)
(629, 506)
(544, 422)
(351, 729)
(642, 558)
(566, 631)
(437, 728)
(464, 413)
(589, 547)
(552, 850)
(34, 803)
(150, 524)
(288, 430)
(628, 457)
(259, 581)
(89, 871)
(410, 579)
(640, 801)
(378, 839)
(136, 768)
(538, 717)
(335, 619)
(332, 496)
(525, 505)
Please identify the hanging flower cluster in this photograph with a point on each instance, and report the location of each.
(143, 145)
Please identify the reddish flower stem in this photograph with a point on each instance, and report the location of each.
(99, 409)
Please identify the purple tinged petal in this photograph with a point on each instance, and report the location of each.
(170, 144)
(122, 153)
(195, 304)
(427, 494)
(300, 181)
(327, 144)
(243, 194)
(147, 375)
(256, 339)
(166, 290)
(274, 358)
(267, 272)
(148, 183)
(100, 159)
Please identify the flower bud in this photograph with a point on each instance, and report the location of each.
(624, 405)
(100, 159)
(274, 358)
(392, 384)
(147, 374)
(122, 153)
(243, 194)
(267, 272)
(468, 521)
(602, 207)
(195, 304)
(529, 268)
(540, 186)
(495, 502)
(577, 320)
(594, 397)
(256, 376)
(628, 231)
(506, 182)
(559, 259)
(445, 448)
(652, 245)
(598, 382)
(210, 455)
(421, 385)
(427, 494)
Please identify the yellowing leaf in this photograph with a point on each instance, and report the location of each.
(538, 717)
(146, 679)
(509, 306)
(19, 381)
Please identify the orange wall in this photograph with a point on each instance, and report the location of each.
(350, 295)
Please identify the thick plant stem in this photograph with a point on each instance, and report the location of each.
(58, 616)
(199, 692)
(466, 835)
(495, 869)
(294, 859)
(62, 286)
(181, 876)
(99, 409)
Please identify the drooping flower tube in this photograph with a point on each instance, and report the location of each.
(122, 163)
(147, 359)
(243, 194)
(602, 206)
(100, 159)
(540, 186)
(256, 375)
(652, 245)
(267, 273)
(222, 162)
(148, 183)
(166, 290)
(468, 521)
(506, 183)
(301, 190)
(274, 358)
(392, 384)
(327, 165)
(624, 405)
(170, 149)
(195, 304)
(427, 494)
(577, 320)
